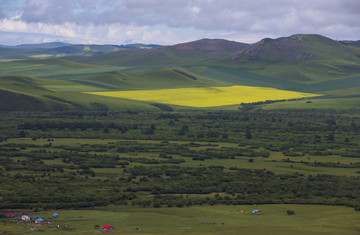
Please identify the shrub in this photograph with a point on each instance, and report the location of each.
(290, 212)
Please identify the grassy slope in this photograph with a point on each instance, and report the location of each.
(19, 93)
(323, 59)
(58, 69)
(159, 78)
(12, 101)
(164, 56)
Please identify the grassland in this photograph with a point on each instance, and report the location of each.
(308, 219)
(207, 97)
(163, 171)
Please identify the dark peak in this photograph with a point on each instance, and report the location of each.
(292, 48)
(211, 45)
(294, 38)
(266, 40)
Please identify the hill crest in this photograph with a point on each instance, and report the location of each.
(298, 47)
(211, 45)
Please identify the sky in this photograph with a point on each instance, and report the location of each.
(169, 22)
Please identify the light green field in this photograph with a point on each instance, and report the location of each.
(308, 219)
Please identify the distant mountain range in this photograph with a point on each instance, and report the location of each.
(302, 58)
(59, 49)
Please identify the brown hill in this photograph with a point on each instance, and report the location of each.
(184, 53)
(211, 45)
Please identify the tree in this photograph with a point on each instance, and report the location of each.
(248, 135)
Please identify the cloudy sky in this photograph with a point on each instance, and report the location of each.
(172, 21)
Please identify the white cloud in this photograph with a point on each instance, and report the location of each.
(90, 33)
(172, 21)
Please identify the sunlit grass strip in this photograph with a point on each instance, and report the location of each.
(207, 96)
(41, 56)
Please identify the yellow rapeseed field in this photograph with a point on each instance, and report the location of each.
(207, 96)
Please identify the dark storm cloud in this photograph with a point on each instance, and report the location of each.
(8, 8)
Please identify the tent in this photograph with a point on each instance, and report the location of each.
(55, 215)
(39, 220)
(257, 212)
(107, 227)
(25, 217)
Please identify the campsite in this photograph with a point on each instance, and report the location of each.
(308, 219)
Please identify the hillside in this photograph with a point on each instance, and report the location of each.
(210, 45)
(301, 58)
(184, 53)
(28, 94)
(171, 77)
(295, 48)
(305, 63)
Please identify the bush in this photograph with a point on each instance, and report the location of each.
(290, 212)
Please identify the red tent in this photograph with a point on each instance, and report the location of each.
(106, 227)
(10, 214)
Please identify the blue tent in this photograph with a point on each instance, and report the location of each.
(55, 215)
(38, 220)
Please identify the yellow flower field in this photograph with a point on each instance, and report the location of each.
(207, 96)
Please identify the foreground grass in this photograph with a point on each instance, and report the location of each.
(207, 96)
(308, 219)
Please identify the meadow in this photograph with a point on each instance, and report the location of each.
(207, 96)
(155, 159)
(308, 219)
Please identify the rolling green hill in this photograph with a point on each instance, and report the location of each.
(27, 94)
(172, 77)
(305, 63)
(184, 53)
(300, 58)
